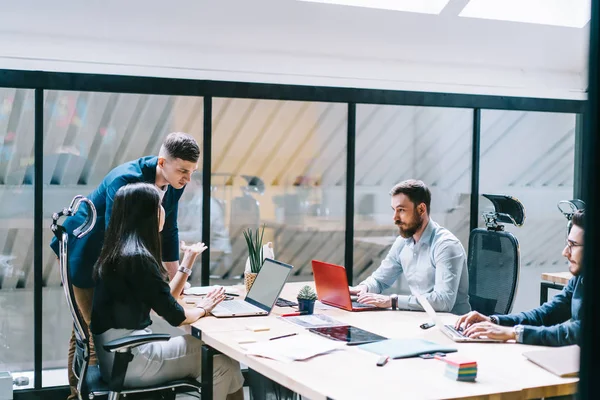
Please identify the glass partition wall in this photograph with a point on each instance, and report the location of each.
(279, 162)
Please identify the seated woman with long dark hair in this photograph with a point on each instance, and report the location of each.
(131, 281)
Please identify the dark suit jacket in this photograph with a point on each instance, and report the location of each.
(555, 323)
(84, 252)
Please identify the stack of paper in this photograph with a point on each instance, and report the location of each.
(293, 348)
(460, 369)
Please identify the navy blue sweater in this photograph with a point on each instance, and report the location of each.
(555, 323)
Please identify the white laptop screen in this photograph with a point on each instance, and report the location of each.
(268, 284)
(429, 310)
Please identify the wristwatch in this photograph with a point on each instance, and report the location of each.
(394, 298)
(519, 333)
(185, 270)
(494, 320)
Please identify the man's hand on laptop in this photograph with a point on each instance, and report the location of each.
(469, 319)
(491, 331)
(358, 290)
(378, 300)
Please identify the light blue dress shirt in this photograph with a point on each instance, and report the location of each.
(435, 267)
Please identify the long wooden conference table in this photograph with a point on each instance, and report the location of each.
(351, 373)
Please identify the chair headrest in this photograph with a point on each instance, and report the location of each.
(86, 226)
(508, 209)
(569, 207)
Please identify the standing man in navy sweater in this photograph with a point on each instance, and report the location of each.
(555, 323)
(170, 172)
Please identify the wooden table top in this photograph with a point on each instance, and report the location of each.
(351, 373)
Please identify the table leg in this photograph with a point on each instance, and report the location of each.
(208, 354)
(544, 286)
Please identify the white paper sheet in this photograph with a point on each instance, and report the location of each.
(293, 348)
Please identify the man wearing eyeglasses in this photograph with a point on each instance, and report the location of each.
(555, 323)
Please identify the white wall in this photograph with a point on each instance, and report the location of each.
(295, 42)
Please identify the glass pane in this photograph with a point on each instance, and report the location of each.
(397, 143)
(530, 155)
(85, 136)
(16, 231)
(281, 164)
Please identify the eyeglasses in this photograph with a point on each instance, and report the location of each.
(571, 244)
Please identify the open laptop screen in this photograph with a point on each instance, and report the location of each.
(429, 310)
(268, 284)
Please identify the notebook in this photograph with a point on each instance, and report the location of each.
(561, 361)
(405, 348)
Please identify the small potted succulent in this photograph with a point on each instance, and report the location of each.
(306, 300)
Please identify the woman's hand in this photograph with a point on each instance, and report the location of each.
(214, 297)
(193, 249)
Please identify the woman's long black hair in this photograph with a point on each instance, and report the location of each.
(132, 233)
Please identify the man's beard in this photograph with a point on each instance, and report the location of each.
(411, 229)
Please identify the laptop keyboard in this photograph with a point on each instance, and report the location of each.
(285, 303)
(237, 306)
(454, 331)
(356, 304)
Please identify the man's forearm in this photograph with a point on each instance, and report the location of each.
(171, 267)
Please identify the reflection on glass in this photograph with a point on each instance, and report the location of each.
(85, 136)
(530, 155)
(16, 230)
(281, 164)
(396, 143)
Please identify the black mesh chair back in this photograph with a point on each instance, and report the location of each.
(493, 271)
(494, 258)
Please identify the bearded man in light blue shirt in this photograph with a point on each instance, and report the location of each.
(431, 258)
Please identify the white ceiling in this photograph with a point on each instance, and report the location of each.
(294, 39)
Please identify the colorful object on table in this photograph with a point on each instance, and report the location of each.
(460, 369)
(294, 314)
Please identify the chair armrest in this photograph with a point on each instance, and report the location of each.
(129, 342)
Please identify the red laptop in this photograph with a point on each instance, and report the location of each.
(332, 287)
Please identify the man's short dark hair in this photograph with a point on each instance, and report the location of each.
(415, 190)
(578, 218)
(180, 145)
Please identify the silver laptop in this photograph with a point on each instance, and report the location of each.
(448, 330)
(262, 295)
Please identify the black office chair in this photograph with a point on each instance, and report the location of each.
(90, 383)
(494, 259)
(568, 208)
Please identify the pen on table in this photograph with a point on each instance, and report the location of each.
(283, 336)
(294, 314)
(382, 361)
